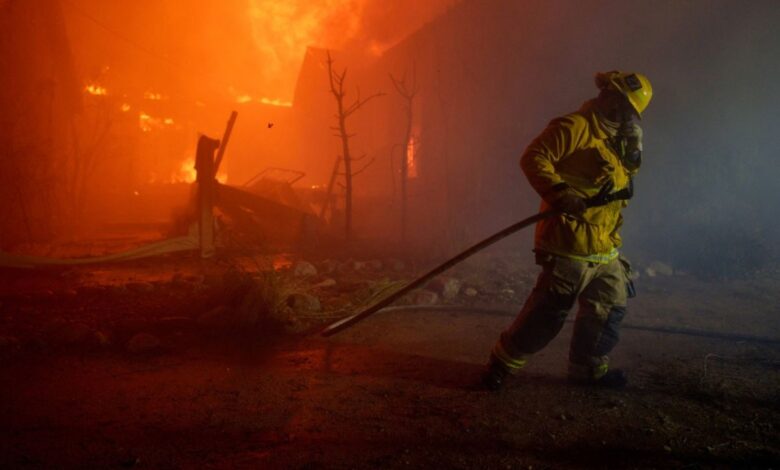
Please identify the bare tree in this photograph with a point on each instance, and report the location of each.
(408, 90)
(344, 111)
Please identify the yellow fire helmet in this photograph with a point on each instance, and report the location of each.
(634, 86)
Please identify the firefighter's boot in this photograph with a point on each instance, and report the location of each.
(495, 376)
(614, 379)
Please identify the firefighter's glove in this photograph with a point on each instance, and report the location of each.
(569, 203)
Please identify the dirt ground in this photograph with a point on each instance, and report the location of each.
(396, 391)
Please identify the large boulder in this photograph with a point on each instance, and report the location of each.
(303, 303)
(422, 297)
(304, 269)
(62, 333)
(447, 287)
(143, 343)
(217, 317)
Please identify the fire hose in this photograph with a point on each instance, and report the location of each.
(603, 197)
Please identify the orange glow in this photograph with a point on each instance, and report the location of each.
(285, 104)
(244, 98)
(411, 157)
(146, 122)
(187, 174)
(149, 95)
(376, 49)
(125, 107)
(96, 90)
(284, 29)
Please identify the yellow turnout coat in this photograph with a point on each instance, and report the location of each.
(577, 153)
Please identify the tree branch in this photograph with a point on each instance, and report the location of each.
(359, 103)
(355, 173)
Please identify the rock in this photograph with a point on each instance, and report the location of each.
(358, 265)
(254, 305)
(327, 282)
(117, 290)
(177, 280)
(423, 297)
(61, 333)
(658, 268)
(470, 292)
(139, 286)
(447, 287)
(101, 339)
(304, 269)
(127, 327)
(345, 267)
(396, 265)
(328, 266)
(217, 317)
(143, 343)
(375, 264)
(70, 293)
(302, 303)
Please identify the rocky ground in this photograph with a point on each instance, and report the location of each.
(179, 363)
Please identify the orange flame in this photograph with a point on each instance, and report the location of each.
(244, 98)
(187, 174)
(411, 157)
(96, 90)
(152, 96)
(148, 123)
(284, 29)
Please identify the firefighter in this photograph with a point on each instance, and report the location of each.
(571, 160)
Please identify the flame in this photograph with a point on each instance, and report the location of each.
(145, 122)
(148, 123)
(276, 102)
(125, 107)
(96, 90)
(376, 48)
(411, 157)
(244, 98)
(187, 174)
(283, 29)
(152, 96)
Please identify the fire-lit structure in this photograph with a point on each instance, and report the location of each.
(114, 102)
(257, 234)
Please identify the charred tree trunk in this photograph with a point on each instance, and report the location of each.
(407, 90)
(343, 112)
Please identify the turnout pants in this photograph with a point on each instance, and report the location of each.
(601, 290)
